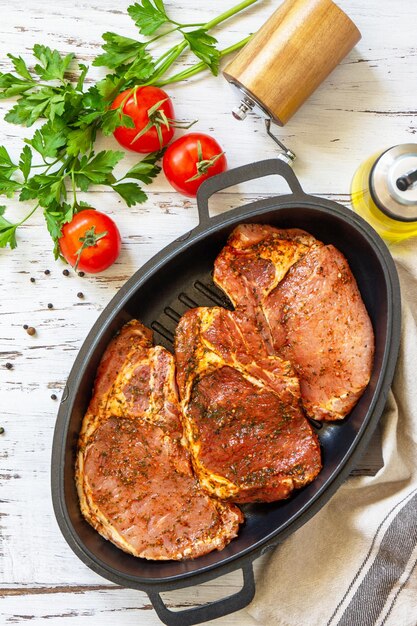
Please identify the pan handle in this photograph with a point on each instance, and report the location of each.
(212, 610)
(240, 175)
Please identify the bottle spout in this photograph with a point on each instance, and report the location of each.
(404, 182)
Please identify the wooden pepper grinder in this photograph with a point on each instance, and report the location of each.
(290, 56)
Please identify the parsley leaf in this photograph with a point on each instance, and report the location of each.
(130, 60)
(35, 105)
(106, 88)
(119, 50)
(56, 216)
(20, 67)
(148, 16)
(55, 220)
(131, 193)
(25, 162)
(48, 139)
(146, 170)
(113, 118)
(83, 73)
(7, 167)
(7, 231)
(11, 85)
(140, 70)
(52, 65)
(80, 140)
(97, 169)
(48, 189)
(9, 187)
(203, 46)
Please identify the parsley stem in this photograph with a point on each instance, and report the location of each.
(27, 216)
(200, 67)
(187, 25)
(168, 32)
(74, 190)
(229, 13)
(167, 59)
(171, 55)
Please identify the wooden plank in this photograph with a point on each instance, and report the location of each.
(366, 105)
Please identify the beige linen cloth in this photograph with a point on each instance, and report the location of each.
(355, 562)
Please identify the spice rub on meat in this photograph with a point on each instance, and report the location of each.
(134, 475)
(321, 325)
(305, 302)
(253, 262)
(249, 439)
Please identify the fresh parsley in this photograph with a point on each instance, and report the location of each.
(149, 16)
(58, 160)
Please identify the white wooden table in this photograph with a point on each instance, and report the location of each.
(367, 104)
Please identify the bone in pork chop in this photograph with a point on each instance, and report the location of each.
(306, 305)
(134, 476)
(249, 439)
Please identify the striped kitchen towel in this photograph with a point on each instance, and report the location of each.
(355, 562)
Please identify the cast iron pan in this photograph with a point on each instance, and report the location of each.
(176, 279)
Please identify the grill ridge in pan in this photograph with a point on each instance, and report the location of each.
(177, 278)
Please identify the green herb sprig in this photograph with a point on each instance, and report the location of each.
(59, 159)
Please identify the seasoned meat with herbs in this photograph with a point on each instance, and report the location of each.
(321, 325)
(134, 476)
(249, 439)
(306, 306)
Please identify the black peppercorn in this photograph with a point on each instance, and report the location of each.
(32, 280)
(81, 274)
(53, 396)
(25, 326)
(9, 366)
(65, 272)
(80, 294)
(47, 272)
(50, 305)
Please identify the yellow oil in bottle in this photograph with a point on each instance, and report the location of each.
(390, 229)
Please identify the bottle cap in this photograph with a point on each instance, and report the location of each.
(393, 182)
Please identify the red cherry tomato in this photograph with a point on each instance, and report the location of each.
(190, 160)
(152, 113)
(90, 242)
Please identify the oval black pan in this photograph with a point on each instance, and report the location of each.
(177, 278)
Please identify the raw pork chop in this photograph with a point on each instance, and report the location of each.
(134, 476)
(321, 325)
(307, 307)
(249, 439)
(253, 262)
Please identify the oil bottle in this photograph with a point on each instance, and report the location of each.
(384, 192)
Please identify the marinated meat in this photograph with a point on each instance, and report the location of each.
(248, 437)
(305, 303)
(134, 476)
(321, 325)
(253, 262)
(256, 258)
